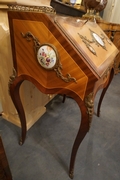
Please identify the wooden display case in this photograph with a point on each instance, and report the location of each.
(62, 7)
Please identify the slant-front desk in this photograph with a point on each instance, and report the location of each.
(60, 55)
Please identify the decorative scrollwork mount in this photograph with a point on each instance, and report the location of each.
(48, 57)
(11, 79)
(90, 106)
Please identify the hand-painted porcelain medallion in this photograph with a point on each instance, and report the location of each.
(47, 56)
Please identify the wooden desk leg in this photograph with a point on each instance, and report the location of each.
(14, 87)
(64, 97)
(84, 128)
(104, 91)
(85, 106)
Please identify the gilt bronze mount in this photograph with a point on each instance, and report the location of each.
(99, 40)
(48, 57)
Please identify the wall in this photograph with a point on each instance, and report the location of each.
(111, 12)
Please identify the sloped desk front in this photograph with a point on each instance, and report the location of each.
(53, 53)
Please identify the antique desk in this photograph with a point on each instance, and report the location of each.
(60, 55)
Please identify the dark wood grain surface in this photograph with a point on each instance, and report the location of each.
(5, 173)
